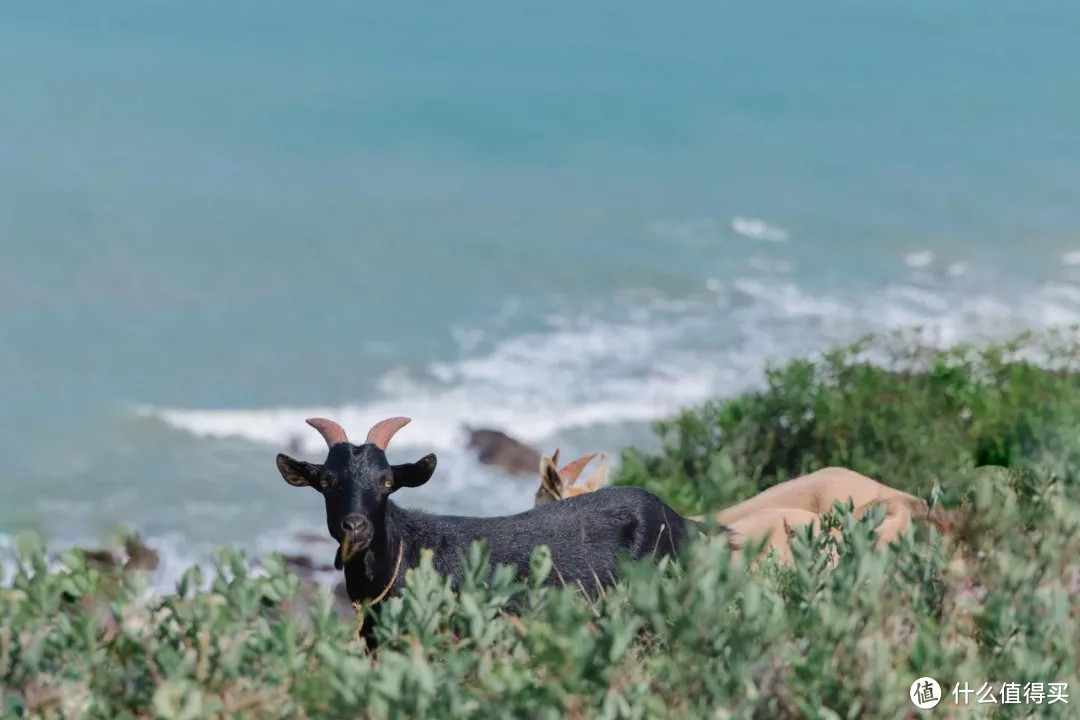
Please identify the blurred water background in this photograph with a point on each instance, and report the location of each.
(564, 220)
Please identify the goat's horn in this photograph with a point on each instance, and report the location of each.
(381, 432)
(330, 430)
(572, 471)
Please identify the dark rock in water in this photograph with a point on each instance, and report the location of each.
(298, 562)
(498, 449)
(140, 557)
(101, 560)
(314, 539)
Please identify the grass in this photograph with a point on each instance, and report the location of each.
(984, 431)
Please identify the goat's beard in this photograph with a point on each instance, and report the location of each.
(348, 549)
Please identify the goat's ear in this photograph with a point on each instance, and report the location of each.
(413, 474)
(296, 472)
(599, 476)
(572, 471)
(550, 482)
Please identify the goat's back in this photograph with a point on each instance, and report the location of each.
(586, 534)
(816, 493)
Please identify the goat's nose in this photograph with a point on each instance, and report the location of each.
(354, 524)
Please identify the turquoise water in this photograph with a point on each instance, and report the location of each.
(564, 220)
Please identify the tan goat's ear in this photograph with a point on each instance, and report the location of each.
(545, 461)
(599, 477)
(572, 471)
(555, 458)
(550, 482)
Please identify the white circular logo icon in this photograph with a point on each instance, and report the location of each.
(925, 693)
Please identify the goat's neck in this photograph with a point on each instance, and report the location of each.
(395, 527)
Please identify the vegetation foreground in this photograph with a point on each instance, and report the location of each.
(991, 433)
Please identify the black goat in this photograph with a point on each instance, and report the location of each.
(378, 540)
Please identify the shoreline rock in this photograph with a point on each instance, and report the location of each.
(136, 556)
(497, 449)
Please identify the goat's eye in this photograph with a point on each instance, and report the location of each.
(388, 483)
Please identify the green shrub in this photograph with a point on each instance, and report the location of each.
(906, 414)
(706, 635)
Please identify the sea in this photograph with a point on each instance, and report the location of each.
(562, 220)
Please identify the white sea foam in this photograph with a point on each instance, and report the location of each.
(538, 385)
(584, 372)
(756, 229)
(786, 300)
(956, 269)
(919, 259)
(7, 555)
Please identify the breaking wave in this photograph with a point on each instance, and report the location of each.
(584, 372)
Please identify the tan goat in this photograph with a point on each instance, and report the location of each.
(776, 512)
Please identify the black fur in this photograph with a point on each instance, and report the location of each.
(586, 534)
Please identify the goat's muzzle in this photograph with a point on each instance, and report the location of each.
(357, 532)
